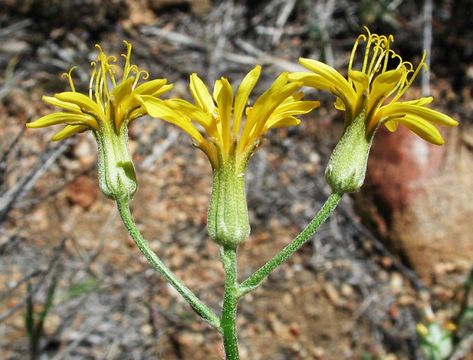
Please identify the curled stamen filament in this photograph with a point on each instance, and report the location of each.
(377, 65)
(422, 65)
(140, 73)
(111, 68)
(127, 68)
(92, 77)
(375, 59)
(98, 79)
(360, 38)
(68, 76)
(367, 50)
(388, 40)
(396, 56)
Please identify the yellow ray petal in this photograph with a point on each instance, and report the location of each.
(241, 98)
(133, 101)
(420, 111)
(201, 94)
(383, 86)
(122, 90)
(136, 113)
(68, 131)
(63, 118)
(299, 75)
(159, 109)
(162, 90)
(343, 101)
(280, 81)
(150, 87)
(62, 104)
(268, 100)
(391, 125)
(331, 75)
(290, 109)
(224, 99)
(122, 101)
(339, 104)
(422, 128)
(360, 81)
(260, 114)
(217, 89)
(296, 97)
(282, 122)
(81, 100)
(209, 149)
(197, 114)
(312, 80)
(423, 101)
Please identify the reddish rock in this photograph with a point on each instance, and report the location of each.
(399, 163)
(420, 198)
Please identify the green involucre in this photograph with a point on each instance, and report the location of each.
(346, 168)
(228, 223)
(117, 178)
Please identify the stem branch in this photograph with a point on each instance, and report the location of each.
(262, 273)
(199, 307)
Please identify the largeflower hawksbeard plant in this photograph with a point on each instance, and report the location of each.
(370, 97)
(228, 131)
(111, 104)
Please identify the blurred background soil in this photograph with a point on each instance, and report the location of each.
(396, 254)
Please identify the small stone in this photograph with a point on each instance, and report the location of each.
(318, 352)
(347, 290)
(386, 262)
(332, 294)
(441, 269)
(295, 330)
(396, 283)
(146, 329)
(393, 312)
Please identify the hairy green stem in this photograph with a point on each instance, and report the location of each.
(230, 302)
(262, 273)
(200, 308)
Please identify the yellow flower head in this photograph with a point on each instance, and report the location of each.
(110, 105)
(216, 122)
(228, 131)
(375, 89)
(111, 102)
